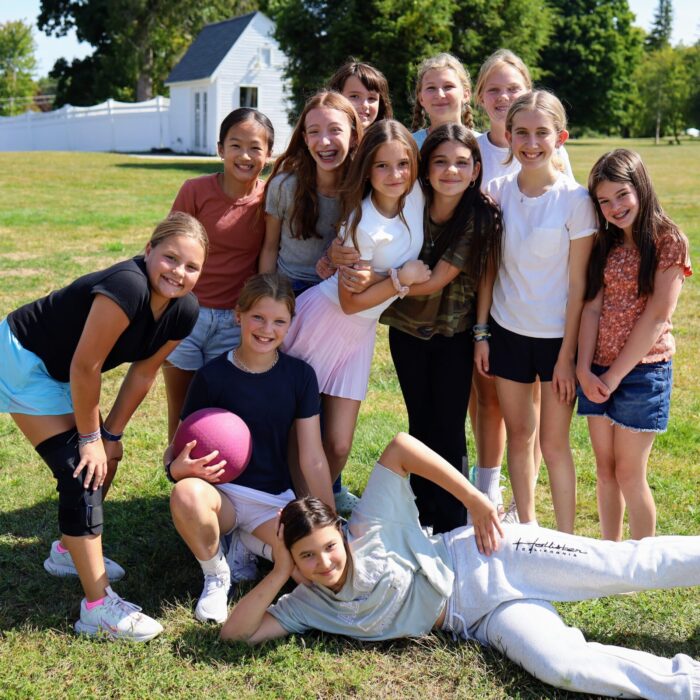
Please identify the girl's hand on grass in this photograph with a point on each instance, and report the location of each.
(414, 272)
(592, 386)
(564, 380)
(184, 465)
(481, 358)
(488, 530)
(94, 461)
(341, 255)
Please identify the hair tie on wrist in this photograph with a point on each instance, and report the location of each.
(110, 437)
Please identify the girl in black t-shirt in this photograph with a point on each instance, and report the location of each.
(52, 354)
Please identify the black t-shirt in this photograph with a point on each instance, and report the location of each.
(268, 403)
(51, 327)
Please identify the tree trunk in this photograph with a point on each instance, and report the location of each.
(144, 83)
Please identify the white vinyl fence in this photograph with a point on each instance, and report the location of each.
(110, 126)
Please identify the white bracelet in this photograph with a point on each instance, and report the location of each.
(401, 289)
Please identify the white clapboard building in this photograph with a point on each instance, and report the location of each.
(230, 64)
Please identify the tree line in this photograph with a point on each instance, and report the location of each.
(613, 77)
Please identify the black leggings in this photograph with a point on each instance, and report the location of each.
(436, 377)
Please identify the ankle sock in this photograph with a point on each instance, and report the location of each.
(60, 548)
(488, 481)
(89, 605)
(216, 565)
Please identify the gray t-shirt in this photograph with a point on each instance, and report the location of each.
(399, 580)
(298, 256)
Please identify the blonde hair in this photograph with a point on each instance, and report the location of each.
(440, 62)
(538, 101)
(178, 223)
(502, 57)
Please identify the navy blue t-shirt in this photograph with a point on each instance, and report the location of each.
(268, 403)
(51, 327)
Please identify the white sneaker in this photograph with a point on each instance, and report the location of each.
(117, 619)
(212, 603)
(242, 562)
(510, 517)
(61, 564)
(345, 501)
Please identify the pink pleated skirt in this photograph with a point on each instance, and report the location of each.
(338, 346)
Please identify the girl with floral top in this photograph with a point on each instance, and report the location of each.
(636, 272)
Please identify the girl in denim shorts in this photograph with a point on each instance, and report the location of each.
(636, 271)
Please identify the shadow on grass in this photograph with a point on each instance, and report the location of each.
(139, 534)
(180, 166)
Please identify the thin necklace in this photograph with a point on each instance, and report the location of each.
(242, 365)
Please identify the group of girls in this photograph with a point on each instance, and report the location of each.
(479, 248)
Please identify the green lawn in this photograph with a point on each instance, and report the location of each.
(64, 214)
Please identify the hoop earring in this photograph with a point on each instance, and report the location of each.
(606, 224)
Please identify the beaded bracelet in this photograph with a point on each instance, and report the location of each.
(87, 438)
(110, 437)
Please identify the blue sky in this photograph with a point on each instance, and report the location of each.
(686, 28)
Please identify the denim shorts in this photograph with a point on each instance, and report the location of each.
(25, 384)
(642, 401)
(215, 333)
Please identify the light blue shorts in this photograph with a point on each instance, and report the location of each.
(25, 384)
(215, 333)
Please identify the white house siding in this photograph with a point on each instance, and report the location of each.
(242, 66)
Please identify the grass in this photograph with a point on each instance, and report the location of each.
(64, 214)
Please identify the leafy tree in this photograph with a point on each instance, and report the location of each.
(136, 42)
(17, 63)
(318, 35)
(665, 90)
(480, 27)
(590, 62)
(661, 28)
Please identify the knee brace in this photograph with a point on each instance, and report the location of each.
(79, 509)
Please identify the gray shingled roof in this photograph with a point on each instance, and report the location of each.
(208, 49)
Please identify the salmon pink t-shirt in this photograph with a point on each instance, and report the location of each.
(622, 307)
(235, 228)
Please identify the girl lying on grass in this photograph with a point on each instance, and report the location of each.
(383, 578)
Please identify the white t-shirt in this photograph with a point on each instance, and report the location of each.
(492, 158)
(386, 243)
(532, 283)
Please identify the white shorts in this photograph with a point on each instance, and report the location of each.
(253, 507)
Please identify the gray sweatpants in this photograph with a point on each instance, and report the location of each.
(500, 600)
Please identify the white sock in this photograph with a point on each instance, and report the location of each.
(531, 523)
(256, 545)
(216, 565)
(488, 481)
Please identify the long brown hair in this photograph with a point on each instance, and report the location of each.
(624, 166)
(370, 77)
(358, 179)
(266, 285)
(475, 210)
(297, 161)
